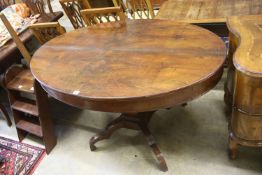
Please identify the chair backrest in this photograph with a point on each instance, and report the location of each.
(120, 3)
(100, 15)
(47, 31)
(38, 6)
(136, 9)
(6, 3)
(72, 9)
(16, 38)
(43, 32)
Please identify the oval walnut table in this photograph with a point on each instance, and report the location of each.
(133, 68)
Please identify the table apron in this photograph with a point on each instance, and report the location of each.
(142, 104)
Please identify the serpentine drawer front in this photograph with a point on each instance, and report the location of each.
(243, 89)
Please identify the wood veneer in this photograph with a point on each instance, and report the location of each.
(210, 14)
(243, 89)
(207, 11)
(150, 64)
(134, 68)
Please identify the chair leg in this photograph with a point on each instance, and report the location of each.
(6, 116)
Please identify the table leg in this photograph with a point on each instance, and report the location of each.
(232, 146)
(137, 121)
(6, 115)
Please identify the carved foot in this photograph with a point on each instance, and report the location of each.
(106, 134)
(233, 147)
(131, 121)
(152, 143)
(92, 142)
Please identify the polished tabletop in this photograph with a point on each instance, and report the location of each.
(140, 65)
(248, 56)
(208, 11)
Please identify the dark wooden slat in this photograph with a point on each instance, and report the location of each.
(25, 107)
(30, 127)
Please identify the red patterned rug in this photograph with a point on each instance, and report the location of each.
(19, 158)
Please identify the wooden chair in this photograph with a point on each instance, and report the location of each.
(38, 6)
(72, 9)
(5, 3)
(100, 15)
(47, 31)
(29, 102)
(136, 9)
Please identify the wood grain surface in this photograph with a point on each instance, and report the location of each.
(243, 88)
(248, 56)
(139, 65)
(207, 11)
